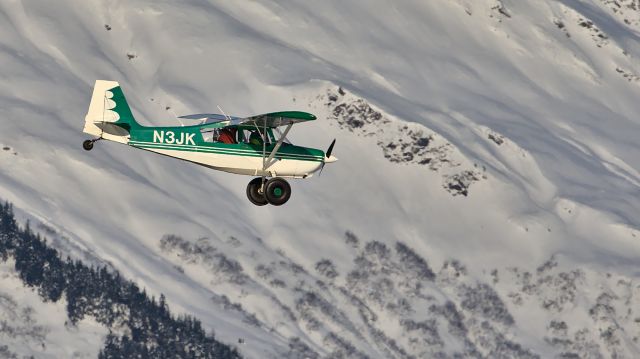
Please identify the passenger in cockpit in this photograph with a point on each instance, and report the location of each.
(227, 135)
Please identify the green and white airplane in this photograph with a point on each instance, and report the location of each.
(252, 146)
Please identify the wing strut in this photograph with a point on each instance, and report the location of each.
(269, 161)
(264, 149)
(266, 164)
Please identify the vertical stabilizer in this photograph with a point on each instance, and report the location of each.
(109, 114)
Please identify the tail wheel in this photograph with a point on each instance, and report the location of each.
(254, 194)
(277, 191)
(87, 145)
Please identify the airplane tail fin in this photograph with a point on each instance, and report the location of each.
(109, 115)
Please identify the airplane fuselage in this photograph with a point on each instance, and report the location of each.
(243, 145)
(188, 143)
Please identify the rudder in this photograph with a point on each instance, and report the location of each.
(109, 115)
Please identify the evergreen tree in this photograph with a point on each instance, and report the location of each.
(8, 229)
(107, 297)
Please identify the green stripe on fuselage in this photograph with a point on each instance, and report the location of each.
(189, 138)
(197, 149)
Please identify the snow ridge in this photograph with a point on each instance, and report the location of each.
(519, 129)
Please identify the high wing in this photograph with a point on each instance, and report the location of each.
(211, 118)
(277, 119)
(270, 120)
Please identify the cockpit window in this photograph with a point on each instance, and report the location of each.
(255, 138)
(224, 135)
(210, 135)
(227, 135)
(277, 133)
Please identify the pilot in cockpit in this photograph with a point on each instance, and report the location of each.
(255, 138)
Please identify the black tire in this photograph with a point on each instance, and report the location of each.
(87, 145)
(277, 191)
(253, 192)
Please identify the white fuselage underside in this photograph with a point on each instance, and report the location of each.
(244, 165)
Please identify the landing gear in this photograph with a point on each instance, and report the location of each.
(255, 193)
(276, 191)
(88, 144)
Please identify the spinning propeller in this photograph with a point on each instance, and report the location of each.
(327, 156)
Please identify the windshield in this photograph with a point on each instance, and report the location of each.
(278, 135)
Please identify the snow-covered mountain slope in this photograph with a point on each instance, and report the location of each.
(29, 327)
(488, 137)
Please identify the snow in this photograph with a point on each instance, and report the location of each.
(564, 181)
(30, 327)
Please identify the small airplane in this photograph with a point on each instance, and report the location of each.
(253, 146)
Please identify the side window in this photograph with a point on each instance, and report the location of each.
(276, 134)
(210, 135)
(226, 135)
(255, 137)
(243, 136)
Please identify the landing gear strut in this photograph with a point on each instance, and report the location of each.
(275, 191)
(88, 144)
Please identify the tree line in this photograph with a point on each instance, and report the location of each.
(139, 326)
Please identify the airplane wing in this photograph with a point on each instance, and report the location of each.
(277, 119)
(209, 117)
(271, 120)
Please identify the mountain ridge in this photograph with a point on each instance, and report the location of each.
(538, 97)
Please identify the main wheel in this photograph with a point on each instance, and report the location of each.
(253, 192)
(87, 145)
(277, 191)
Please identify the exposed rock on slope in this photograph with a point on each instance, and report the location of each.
(402, 142)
